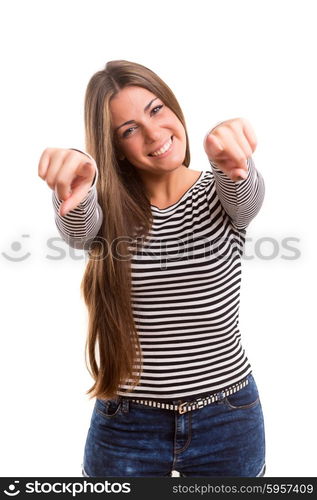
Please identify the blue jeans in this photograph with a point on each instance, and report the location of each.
(225, 438)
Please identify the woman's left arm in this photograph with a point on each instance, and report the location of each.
(240, 187)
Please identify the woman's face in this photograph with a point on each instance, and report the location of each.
(147, 132)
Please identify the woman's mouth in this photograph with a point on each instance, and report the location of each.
(164, 150)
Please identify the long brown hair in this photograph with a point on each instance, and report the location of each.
(112, 344)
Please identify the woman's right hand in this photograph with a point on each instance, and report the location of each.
(69, 173)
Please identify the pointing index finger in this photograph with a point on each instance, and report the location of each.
(43, 164)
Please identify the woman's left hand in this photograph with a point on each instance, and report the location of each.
(229, 145)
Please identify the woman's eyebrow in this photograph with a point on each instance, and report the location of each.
(133, 121)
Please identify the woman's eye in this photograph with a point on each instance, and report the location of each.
(154, 111)
(157, 108)
(128, 131)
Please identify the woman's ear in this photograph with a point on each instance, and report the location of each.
(121, 156)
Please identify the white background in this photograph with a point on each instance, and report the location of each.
(252, 59)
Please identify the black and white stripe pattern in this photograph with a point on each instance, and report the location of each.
(186, 284)
(194, 404)
(82, 224)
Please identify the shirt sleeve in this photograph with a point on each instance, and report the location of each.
(81, 225)
(241, 200)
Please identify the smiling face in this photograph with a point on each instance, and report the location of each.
(147, 132)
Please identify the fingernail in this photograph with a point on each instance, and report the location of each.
(242, 177)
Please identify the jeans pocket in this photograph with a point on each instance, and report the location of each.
(245, 398)
(108, 408)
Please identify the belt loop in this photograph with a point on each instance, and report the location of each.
(125, 405)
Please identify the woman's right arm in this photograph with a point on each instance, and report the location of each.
(72, 175)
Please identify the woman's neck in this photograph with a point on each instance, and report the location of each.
(167, 189)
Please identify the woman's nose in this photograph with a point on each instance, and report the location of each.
(151, 133)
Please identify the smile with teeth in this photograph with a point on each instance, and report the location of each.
(163, 149)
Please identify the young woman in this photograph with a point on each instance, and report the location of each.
(174, 388)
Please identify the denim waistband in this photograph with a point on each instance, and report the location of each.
(194, 404)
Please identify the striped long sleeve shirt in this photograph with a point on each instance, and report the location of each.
(186, 280)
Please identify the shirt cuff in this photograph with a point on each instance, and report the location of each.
(218, 123)
(96, 174)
